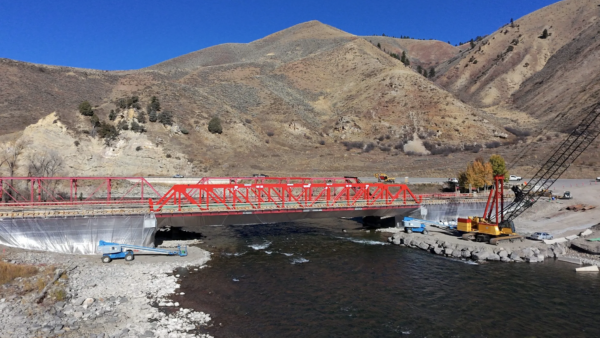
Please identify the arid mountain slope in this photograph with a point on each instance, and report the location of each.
(495, 68)
(569, 82)
(424, 53)
(309, 100)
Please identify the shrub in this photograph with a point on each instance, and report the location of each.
(168, 155)
(544, 34)
(381, 138)
(386, 149)
(94, 120)
(510, 48)
(123, 125)
(152, 117)
(141, 117)
(9, 271)
(369, 147)
(352, 145)
(473, 147)
(76, 143)
(107, 131)
(166, 118)
(248, 121)
(322, 142)
(214, 125)
(85, 108)
(270, 133)
(184, 131)
(493, 144)
(517, 132)
(112, 115)
(135, 126)
(138, 148)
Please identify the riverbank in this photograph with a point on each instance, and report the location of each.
(441, 242)
(91, 298)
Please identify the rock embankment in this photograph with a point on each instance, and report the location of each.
(478, 252)
(120, 299)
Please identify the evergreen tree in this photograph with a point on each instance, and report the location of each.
(152, 117)
(155, 104)
(112, 116)
(378, 45)
(431, 72)
(544, 34)
(419, 69)
(472, 44)
(141, 117)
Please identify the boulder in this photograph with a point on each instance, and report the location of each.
(448, 251)
(540, 257)
(480, 255)
(503, 254)
(423, 246)
(493, 257)
(466, 254)
(532, 259)
(396, 240)
(456, 254)
(87, 302)
(514, 256)
(517, 259)
(505, 259)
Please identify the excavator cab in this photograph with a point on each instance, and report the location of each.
(381, 177)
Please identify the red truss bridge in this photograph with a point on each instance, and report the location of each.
(23, 197)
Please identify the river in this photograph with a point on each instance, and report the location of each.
(311, 279)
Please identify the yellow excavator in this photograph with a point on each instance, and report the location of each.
(385, 178)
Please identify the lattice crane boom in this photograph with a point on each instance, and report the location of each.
(558, 162)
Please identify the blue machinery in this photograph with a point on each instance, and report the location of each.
(112, 251)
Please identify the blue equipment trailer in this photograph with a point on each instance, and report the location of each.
(112, 251)
(420, 225)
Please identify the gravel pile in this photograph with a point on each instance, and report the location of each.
(103, 300)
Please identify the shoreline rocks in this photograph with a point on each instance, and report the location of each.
(477, 251)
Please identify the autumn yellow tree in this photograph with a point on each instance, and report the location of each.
(478, 174)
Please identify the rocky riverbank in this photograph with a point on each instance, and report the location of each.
(93, 299)
(441, 243)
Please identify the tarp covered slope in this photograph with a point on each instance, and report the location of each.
(77, 235)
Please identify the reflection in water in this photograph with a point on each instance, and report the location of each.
(316, 282)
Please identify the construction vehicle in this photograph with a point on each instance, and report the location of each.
(414, 225)
(420, 225)
(566, 196)
(112, 251)
(385, 178)
(494, 227)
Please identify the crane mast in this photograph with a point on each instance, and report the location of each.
(559, 161)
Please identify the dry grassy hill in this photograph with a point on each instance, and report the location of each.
(495, 68)
(309, 100)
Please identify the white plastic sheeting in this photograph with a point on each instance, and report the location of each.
(77, 235)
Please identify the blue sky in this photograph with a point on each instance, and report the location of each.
(132, 34)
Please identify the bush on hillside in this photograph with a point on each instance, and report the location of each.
(166, 118)
(214, 125)
(85, 108)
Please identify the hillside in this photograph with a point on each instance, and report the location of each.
(308, 100)
(494, 69)
(424, 53)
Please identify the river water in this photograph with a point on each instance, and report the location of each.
(311, 279)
